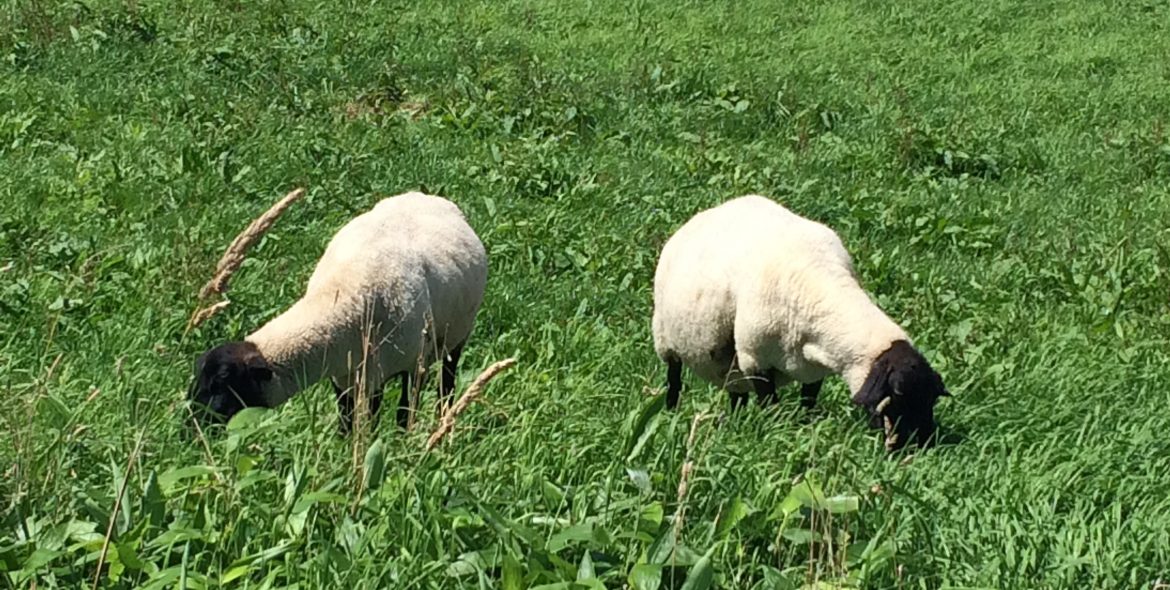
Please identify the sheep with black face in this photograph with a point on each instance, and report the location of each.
(398, 285)
(750, 295)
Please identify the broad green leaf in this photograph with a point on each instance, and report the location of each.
(643, 426)
(245, 463)
(566, 536)
(294, 485)
(841, 504)
(702, 574)
(235, 572)
(119, 487)
(246, 419)
(645, 576)
(789, 505)
(809, 494)
(552, 494)
(128, 556)
(375, 466)
(40, 558)
(513, 574)
(640, 478)
(153, 506)
(264, 555)
(801, 536)
(732, 513)
(501, 524)
(176, 535)
(170, 479)
(652, 515)
(308, 500)
(585, 570)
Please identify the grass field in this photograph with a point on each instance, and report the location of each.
(1000, 170)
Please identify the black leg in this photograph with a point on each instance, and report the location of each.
(673, 383)
(404, 402)
(447, 383)
(738, 400)
(809, 393)
(376, 407)
(765, 388)
(344, 409)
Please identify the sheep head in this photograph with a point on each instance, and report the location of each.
(228, 378)
(900, 393)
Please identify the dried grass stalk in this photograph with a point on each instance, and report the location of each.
(203, 314)
(447, 422)
(130, 463)
(234, 256)
(236, 252)
(685, 475)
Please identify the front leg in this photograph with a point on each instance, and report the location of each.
(765, 387)
(344, 409)
(403, 417)
(738, 400)
(809, 393)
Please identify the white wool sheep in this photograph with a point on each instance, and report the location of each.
(750, 295)
(399, 282)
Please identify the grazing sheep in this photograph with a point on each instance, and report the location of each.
(749, 295)
(399, 282)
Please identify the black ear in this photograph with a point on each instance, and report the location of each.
(201, 362)
(874, 390)
(260, 373)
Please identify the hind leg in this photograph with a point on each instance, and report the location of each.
(344, 409)
(809, 393)
(673, 382)
(447, 383)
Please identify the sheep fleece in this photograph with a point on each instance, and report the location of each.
(748, 287)
(381, 276)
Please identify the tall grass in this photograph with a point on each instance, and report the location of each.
(1000, 171)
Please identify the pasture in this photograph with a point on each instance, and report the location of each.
(999, 170)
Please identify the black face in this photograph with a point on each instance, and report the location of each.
(900, 393)
(228, 378)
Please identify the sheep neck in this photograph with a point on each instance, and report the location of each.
(855, 334)
(296, 344)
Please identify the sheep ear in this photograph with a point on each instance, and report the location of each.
(872, 390)
(260, 372)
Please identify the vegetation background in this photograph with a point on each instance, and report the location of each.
(1000, 170)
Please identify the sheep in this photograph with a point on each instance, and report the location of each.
(397, 287)
(749, 295)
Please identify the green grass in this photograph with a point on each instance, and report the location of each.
(1000, 171)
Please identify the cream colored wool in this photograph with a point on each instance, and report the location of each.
(780, 287)
(411, 264)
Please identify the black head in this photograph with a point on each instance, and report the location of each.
(228, 378)
(899, 393)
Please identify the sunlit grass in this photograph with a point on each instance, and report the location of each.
(999, 171)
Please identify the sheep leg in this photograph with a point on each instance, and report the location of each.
(447, 383)
(738, 400)
(403, 417)
(809, 393)
(765, 387)
(376, 407)
(344, 409)
(673, 382)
